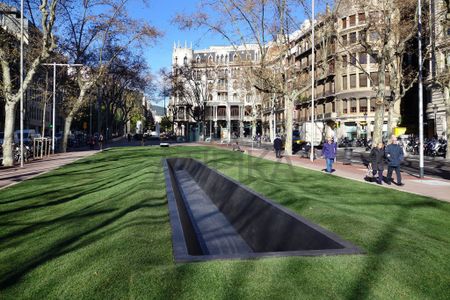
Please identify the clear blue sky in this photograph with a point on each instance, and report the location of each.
(160, 14)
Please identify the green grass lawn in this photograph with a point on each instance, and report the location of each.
(99, 228)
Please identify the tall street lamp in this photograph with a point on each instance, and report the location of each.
(419, 40)
(21, 83)
(54, 96)
(313, 127)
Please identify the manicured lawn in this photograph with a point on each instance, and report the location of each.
(99, 228)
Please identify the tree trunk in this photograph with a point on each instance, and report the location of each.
(447, 112)
(289, 108)
(378, 122)
(8, 139)
(391, 113)
(271, 127)
(67, 124)
(379, 104)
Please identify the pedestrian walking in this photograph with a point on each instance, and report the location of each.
(100, 141)
(277, 144)
(329, 151)
(394, 155)
(377, 161)
(258, 140)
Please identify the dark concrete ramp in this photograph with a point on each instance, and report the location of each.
(216, 217)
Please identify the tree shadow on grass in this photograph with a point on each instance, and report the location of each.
(370, 272)
(69, 244)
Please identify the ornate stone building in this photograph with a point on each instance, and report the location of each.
(232, 105)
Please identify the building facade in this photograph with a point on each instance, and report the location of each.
(439, 66)
(344, 95)
(231, 104)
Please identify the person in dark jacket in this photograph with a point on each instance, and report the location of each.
(394, 155)
(277, 144)
(329, 151)
(377, 161)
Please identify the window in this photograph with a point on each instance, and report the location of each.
(344, 106)
(372, 104)
(353, 20)
(353, 106)
(344, 82)
(344, 23)
(362, 80)
(361, 18)
(363, 58)
(387, 81)
(363, 105)
(374, 78)
(344, 61)
(344, 40)
(373, 59)
(185, 61)
(198, 59)
(352, 38)
(353, 60)
(353, 81)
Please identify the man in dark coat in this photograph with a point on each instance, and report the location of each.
(277, 144)
(377, 161)
(394, 155)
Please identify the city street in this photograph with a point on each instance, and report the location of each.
(433, 166)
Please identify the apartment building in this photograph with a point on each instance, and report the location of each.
(438, 66)
(344, 96)
(232, 104)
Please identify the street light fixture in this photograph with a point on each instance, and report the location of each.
(54, 96)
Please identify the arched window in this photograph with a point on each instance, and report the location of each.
(185, 60)
(210, 97)
(198, 59)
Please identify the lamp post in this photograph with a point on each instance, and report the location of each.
(21, 83)
(419, 40)
(54, 97)
(435, 109)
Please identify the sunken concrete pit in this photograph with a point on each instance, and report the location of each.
(215, 217)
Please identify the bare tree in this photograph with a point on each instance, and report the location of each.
(386, 37)
(40, 43)
(96, 33)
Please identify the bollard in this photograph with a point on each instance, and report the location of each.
(347, 156)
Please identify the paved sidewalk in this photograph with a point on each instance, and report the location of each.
(11, 176)
(430, 187)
